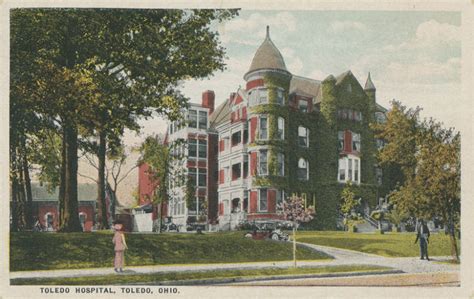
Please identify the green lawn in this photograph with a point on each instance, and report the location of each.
(44, 251)
(174, 276)
(391, 245)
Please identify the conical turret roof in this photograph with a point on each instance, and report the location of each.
(369, 85)
(267, 56)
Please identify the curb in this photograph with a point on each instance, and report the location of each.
(271, 278)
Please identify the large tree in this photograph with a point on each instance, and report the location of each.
(98, 70)
(430, 158)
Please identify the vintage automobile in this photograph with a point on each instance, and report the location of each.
(266, 229)
(169, 226)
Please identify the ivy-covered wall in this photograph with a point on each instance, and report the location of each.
(322, 153)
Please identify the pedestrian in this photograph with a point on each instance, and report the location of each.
(120, 247)
(423, 234)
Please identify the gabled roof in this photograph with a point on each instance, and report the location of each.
(267, 56)
(305, 87)
(342, 76)
(220, 115)
(85, 192)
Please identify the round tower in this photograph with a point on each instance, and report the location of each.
(267, 86)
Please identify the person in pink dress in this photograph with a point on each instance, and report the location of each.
(120, 247)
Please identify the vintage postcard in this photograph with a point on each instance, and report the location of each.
(236, 149)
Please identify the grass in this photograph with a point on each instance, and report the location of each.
(47, 251)
(389, 244)
(156, 278)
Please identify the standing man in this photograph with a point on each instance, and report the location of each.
(423, 234)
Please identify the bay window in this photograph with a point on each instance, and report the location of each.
(192, 118)
(263, 128)
(349, 169)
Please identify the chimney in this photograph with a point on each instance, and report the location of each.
(208, 98)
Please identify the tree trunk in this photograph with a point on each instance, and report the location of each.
(14, 217)
(101, 203)
(452, 237)
(294, 244)
(70, 216)
(21, 202)
(62, 183)
(29, 196)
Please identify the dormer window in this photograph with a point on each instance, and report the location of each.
(303, 105)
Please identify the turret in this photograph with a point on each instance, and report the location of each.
(370, 90)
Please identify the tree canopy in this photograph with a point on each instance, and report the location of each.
(95, 72)
(429, 156)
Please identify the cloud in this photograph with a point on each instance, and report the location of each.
(425, 72)
(318, 75)
(340, 26)
(293, 62)
(251, 30)
(430, 34)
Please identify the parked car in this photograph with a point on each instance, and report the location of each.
(169, 226)
(267, 230)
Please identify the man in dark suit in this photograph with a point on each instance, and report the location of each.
(423, 234)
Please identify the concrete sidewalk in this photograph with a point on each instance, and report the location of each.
(341, 257)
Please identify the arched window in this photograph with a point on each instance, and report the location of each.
(303, 168)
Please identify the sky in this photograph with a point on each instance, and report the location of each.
(414, 57)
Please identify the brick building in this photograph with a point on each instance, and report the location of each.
(282, 134)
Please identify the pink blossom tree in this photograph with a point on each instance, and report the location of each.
(293, 209)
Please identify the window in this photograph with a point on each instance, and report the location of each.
(349, 87)
(236, 138)
(226, 174)
(302, 173)
(246, 169)
(246, 135)
(280, 197)
(342, 170)
(192, 148)
(236, 171)
(303, 136)
(356, 142)
(356, 170)
(262, 96)
(340, 139)
(380, 117)
(279, 97)
(303, 105)
(246, 201)
(192, 176)
(235, 205)
(262, 163)
(258, 96)
(281, 128)
(202, 178)
(379, 175)
(349, 169)
(263, 201)
(192, 118)
(281, 164)
(263, 131)
(349, 173)
(202, 149)
(202, 120)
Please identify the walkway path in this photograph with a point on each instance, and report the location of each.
(341, 257)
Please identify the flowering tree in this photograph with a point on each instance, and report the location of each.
(293, 209)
